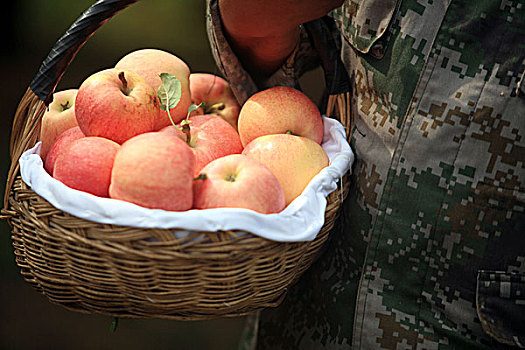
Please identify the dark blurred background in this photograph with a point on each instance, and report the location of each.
(27, 319)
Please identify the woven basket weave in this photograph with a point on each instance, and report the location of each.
(128, 272)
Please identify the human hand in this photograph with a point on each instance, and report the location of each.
(263, 33)
(263, 18)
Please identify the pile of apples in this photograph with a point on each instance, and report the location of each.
(150, 132)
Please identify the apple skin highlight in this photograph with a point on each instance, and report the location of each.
(61, 143)
(59, 117)
(217, 96)
(294, 160)
(150, 63)
(86, 165)
(237, 181)
(280, 110)
(154, 170)
(211, 137)
(107, 107)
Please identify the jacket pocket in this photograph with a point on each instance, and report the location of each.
(500, 304)
(364, 23)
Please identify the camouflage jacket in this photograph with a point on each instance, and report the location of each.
(430, 249)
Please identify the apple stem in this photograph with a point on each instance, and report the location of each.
(171, 119)
(186, 131)
(122, 78)
(289, 132)
(65, 105)
(230, 178)
(215, 108)
(201, 177)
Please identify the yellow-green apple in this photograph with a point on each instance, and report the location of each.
(58, 117)
(61, 143)
(280, 110)
(238, 181)
(154, 170)
(86, 165)
(294, 160)
(116, 104)
(210, 137)
(217, 96)
(150, 63)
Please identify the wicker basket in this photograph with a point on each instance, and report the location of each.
(128, 272)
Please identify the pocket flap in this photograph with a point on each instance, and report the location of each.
(363, 22)
(500, 303)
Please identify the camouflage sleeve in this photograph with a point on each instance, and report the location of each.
(302, 59)
(501, 306)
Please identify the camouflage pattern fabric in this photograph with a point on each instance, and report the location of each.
(430, 249)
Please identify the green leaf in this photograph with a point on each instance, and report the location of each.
(193, 108)
(114, 325)
(169, 91)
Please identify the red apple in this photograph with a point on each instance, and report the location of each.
(211, 138)
(294, 160)
(116, 104)
(86, 165)
(58, 117)
(154, 170)
(62, 142)
(237, 181)
(150, 63)
(280, 110)
(217, 96)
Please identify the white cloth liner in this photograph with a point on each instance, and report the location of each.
(300, 221)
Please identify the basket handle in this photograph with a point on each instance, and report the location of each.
(66, 48)
(338, 82)
(329, 51)
(26, 122)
